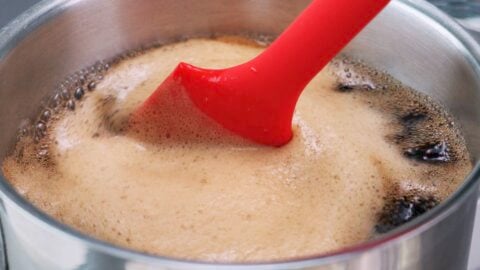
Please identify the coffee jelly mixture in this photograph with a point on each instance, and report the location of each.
(368, 154)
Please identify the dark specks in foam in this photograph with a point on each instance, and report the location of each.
(344, 87)
(420, 129)
(413, 118)
(435, 152)
(400, 210)
(64, 98)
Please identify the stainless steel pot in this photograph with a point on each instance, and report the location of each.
(411, 40)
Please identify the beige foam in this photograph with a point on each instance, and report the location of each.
(219, 201)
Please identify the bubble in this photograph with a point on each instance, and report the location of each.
(100, 67)
(91, 86)
(403, 210)
(41, 128)
(79, 92)
(56, 100)
(82, 79)
(65, 94)
(345, 87)
(45, 115)
(42, 153)
(70, 104)
(23, 131)
(431, 152)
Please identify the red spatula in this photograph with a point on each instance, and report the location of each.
(257, 99)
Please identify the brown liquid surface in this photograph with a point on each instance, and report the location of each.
(206, 194)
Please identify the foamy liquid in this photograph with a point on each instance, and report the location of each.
(227, 199)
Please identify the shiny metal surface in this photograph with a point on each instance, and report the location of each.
(458, 8)
(411, 40)
(11, 8)
(474, 260)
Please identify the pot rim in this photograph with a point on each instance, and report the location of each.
(31, 19)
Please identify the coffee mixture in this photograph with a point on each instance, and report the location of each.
(368, 155)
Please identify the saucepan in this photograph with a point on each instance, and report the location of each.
(412, 40)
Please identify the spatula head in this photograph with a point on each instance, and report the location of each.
(234, 98)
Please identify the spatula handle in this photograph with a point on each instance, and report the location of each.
(314, 38)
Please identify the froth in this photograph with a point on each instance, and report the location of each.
(419, 127)
(189, 189)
